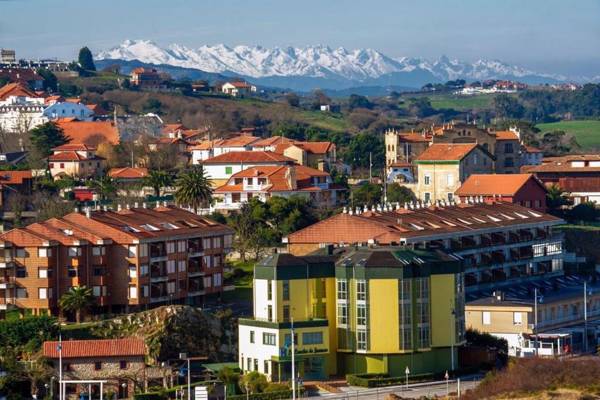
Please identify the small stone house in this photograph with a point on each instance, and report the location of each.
(121, 362)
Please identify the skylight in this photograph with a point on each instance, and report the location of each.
(417, 227)
(508, 217)
(534, 214)
(450, 223)
(494, 218)
(479, 220)
(150, 228)
(131, 229)
(521, 215)
(168, 225)
(464, 221)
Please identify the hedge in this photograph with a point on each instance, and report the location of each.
(379, 380)
(283, 394)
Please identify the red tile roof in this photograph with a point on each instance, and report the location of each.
(128, 173)
(495, 184)
(96, 348)
(506, 135)
(238, 157)
(277, 177)
(446, 151)
(411, 137)
(71, 156)
(237, 141)
(270, 141)
(15, 89)
(90, 132)
(74, 147)
(531, 149)
(14, 177)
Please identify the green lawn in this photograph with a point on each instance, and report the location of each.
(242, 280)
(587, 132)
(324, 120)
(456, 102)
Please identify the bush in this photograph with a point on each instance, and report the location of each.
(149, 396)
(284, 394)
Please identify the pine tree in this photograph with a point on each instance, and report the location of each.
(86, 61)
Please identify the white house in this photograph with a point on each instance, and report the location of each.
(68, 109)
(238, 88)
(222, 167)
(212, 148)
(20, 108)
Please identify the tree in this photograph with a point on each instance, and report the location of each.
(585, 211)
(193, 188)
(109, 153)
(152, 106)
(357, 101)
(292, 99)
(556, 198)
(253, 382)
(359, 148)
(86, 60)
(158, 180)
(399, 194)
(50, 81)
(421, 107)
(507, 106)
(105, 186)
(47, 136)
(249, 225)
(78, 300)
(368, 194)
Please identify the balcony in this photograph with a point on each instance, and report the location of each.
(194, 247)
(158, 271)
(7, 282)
(157, 250)
(7, 263)
(195, 266)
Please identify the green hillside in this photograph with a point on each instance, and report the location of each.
(587, 132)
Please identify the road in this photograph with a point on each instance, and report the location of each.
(415, 391)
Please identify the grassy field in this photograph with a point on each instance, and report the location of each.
(587, 132)
(242, 280)
(462, 103)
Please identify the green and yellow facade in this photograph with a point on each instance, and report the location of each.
(363, 310)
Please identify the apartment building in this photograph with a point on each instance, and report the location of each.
(442, 168)
(499, 243)
(133, 259)
(77, 160)
(560, 321)
(503, 145)
(359, 310)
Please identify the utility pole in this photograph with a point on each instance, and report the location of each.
(585, 335)
(293, 361)
(535, 319)
(453, 334)
(60, 367)
(370, 167)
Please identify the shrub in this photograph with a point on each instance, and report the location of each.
(284, 394)
(379, 380)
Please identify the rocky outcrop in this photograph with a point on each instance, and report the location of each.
(170, 330)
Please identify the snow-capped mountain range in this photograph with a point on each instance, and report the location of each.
(319, 63)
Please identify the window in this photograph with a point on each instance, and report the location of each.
(269, 339)
(123, 364)
(427, 179)
(475, 159)
(21, 272)
(509, 162)
(43, 273)
(170, 247)
(266, 367)
(361, 339)
(145, 291)
(21, 293)
(181, 266)
(361, 290)
(143, 269)
(42, 293)
(206, 243)
(422, 311)
(207, 261)
(132, 271)
(98, 251)
(450, 180)
(427, 197)
(405, 309)
(517, 318)
(181, 246)
(361, 314)
(97, 365)
(486, 318)
(342, 289)
(171, 267)
(217, 280)
(72, 272)
(269, 290)
(342, 316)
(251, 336)
(508, 148)
(132, 250)
(286, 290)
(143, 250)
(270, 312)
(255, 364)
(288, 339)
(98, 291)
(74, 251)
(171, 287)
(286, 313)
(44, 252)
(21, 253)
(228, 170)
(312, 338)
(133, 292)
(450, 196)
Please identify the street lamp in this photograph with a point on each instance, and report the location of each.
(183, 356)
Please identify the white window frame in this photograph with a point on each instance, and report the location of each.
(486, 318)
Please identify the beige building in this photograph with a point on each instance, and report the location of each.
(404, 146)
(77, 160)
(442, 168)
(560, 315)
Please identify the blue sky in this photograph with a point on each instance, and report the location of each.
(546, 35)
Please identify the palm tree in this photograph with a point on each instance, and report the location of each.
(158, 180)
(193, 188)
(78, 299)
(105, 186)
(556, 198)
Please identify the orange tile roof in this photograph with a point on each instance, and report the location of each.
(74, 147)
(240, 84)
(128, 173)
(446, 151)
(531, 149)
(411, 137)
(270, 141)
(14, 177)
(126, 347)
(71, 156)
(204, 145)
(168, 128)
(15, 89)
(277, 177)
(23, 237)
(90, 132)
(563, 164)
(237, 141)
(506, 135)
(316, 147)
(238, 157)
(413, 226)
(495, 184)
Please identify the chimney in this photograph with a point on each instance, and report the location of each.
(136, 204)
(144, 205)
(345, 210)
(127, 206)
(88, 212)
(164, 203)
(119, 207)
